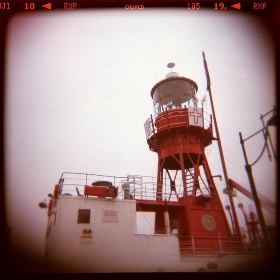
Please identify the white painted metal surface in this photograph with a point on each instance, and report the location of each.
(109, 242)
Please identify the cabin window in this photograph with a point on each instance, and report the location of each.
(84, 216)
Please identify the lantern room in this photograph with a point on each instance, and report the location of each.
(173, 92)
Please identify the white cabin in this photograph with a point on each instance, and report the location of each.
(99, 234)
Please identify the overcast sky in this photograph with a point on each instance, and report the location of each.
(78, 93)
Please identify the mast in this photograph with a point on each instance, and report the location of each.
(236, 229)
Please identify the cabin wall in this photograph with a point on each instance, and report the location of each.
(108, 241)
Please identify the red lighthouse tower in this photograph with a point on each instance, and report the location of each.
(186, 195)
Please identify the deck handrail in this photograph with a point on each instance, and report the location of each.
(144, 189)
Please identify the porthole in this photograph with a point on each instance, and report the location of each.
(208, 222)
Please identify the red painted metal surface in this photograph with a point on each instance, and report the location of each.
(199, 213)
(265, 202)
(101, 191)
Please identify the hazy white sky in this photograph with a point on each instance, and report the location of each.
(78, 94)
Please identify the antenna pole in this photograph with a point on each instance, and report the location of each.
(236, 229)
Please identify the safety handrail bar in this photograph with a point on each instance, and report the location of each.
(151, 129)
(145, 188)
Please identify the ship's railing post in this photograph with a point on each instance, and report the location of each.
(220, 243)
(245, 246)
(259, 243)
(141, 190)
(193, 245)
